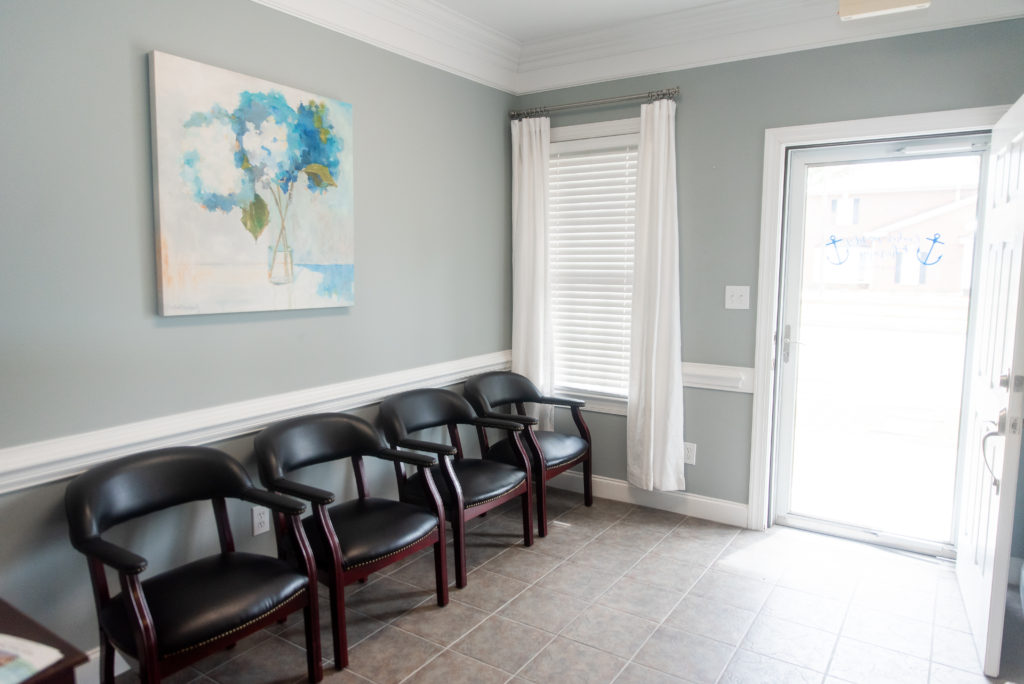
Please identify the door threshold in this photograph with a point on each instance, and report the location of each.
(861, 534)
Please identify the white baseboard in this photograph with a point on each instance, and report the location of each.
(704, 507)
(1015, 571)
(28, 465)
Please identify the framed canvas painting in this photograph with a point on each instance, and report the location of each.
(253, 187)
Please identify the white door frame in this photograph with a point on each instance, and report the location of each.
(776, 143)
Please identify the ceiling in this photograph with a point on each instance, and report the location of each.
(524, 46)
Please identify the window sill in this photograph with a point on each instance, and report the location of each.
(597, 403)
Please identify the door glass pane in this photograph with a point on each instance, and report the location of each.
(887, 255)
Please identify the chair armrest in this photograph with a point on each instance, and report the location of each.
(435, 447)
(117, 557)
(312, 494)
(275, 502)
(526, 421)
(498, 423)
(410, 457)
(562, 401)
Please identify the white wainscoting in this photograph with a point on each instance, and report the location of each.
(36, 463)
(705, 507)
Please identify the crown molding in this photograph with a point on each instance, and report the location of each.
(725, 31)
(422, 30)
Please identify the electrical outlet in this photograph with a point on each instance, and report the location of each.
(689, 453)
(260, 520)
(737, 296)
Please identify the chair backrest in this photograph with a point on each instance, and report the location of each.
(308, 440)
(133, 486)
(407, 412)
(499, 388)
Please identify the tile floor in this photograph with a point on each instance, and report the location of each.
(620, 593)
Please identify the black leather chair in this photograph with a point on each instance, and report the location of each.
(469, 487)
(352, 539)
(497, 395)
(177, 617)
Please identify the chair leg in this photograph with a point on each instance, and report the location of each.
(541, 494)
(441, 570)
(527, 515)
(588, 481)
(106, 659)
(339, 629)
(312, 619)
(459, 532)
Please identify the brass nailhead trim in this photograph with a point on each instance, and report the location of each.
(393, 553)
(236, 629)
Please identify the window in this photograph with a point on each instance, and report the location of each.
(592, 186)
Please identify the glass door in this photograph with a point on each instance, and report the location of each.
(879, 245)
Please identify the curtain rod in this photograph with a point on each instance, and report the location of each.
(650, 96)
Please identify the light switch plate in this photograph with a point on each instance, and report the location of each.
(737, 296)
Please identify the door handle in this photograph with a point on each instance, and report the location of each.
(787, 340)
(1000, 431)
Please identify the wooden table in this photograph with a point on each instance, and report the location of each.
(16, 623)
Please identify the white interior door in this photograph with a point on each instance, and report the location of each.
(991, 434)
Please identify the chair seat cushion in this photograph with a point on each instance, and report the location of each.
(481, 481)
(370, 529)
(558, 449)
(206, 599)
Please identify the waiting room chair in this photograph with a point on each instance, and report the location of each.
(469, 487)
(175, 618)
(355, 538)
(503, 395)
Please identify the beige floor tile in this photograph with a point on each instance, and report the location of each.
(652, 518)
(667, 572)
(488, 590)
(273, 661)
(689, 656)
(444, 625)
(569, 662)
(638, 674)
(608, 556)
(632, 535)
(387, 599)
(690, 549)
(576, 579)
(735, 590)
(711, 619)
(610, 630)
(521, 564)
(861, 663)
(502, 643)
(791, 642)
(420, 572)
(215, 660)
(543, 609)
(562, 540)
(453, 668)
(640, 598)
(956, 649)
(390, 655)
(944, 674)
(752, 668)
(913, 637)
(820, 612)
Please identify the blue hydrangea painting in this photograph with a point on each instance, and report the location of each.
(253, 192)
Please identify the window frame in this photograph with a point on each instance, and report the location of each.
(596, 401)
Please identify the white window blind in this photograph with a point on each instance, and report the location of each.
(591, 235)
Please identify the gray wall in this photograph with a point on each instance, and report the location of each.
(82, 347)
(723, 112)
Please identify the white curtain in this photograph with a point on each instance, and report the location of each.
(654, 417)
(531, 319)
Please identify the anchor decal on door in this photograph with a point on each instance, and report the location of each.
(840, 259)
(925, 259)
